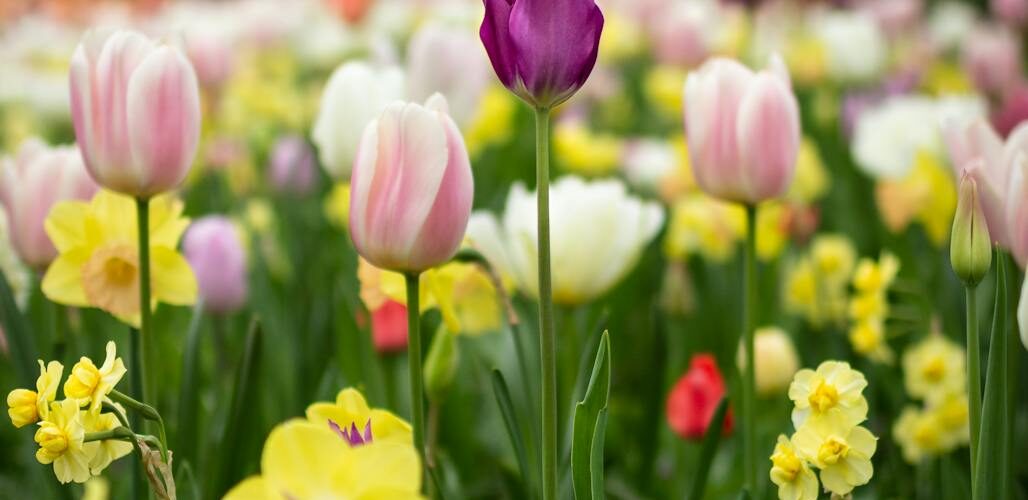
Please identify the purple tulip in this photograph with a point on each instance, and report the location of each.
(542, 50)
(215, 251)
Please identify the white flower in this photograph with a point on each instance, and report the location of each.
(950, 23)
(855, 46)
(355, 94)
(449, 60)
(647, 162)
(597, 234)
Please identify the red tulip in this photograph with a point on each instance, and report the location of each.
(694, 399)
(389, 327)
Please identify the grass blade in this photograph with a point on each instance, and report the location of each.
(710, 443)
(502, 393)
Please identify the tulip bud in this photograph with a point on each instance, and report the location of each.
(215, 251)
(411, 188)
(1017, 209)
(449, 61)
(21, 404)
(775, 357)
(543, 51)
(291, 168)
(1022, 312)
(743, 130)
(970, 247)
(30, 185)
(441, 364)
(694, 399)
(135, 105)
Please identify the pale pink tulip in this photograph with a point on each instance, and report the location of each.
(411, 188)
(1014, 12)
(743, 129)
(975, 148)
(212, 56)
(136, 109)
(30, 184)
(1017, 209)
(992, 56)
(215, 251)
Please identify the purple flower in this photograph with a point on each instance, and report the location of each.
(542, 50)
(351, 435)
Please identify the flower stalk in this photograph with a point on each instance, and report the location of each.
(974, 376)
(417, 387)
(749, 380)
(140, 352)
(547, 339)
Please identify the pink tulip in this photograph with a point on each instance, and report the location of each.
(743, 129)
(215, 251)
(136, 109)
(411, 188)
(292, 169)
(975, 147)
(212, 56)
(1017, 209)
(992, 56)
(1014, 12)
(30, 184)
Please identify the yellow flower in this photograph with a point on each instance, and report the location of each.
(60, 438)
(946, 78)
(807, 59)
(793, 476)
(493, 123)
(918, 434)
(27, 407)
(621, 38)
(680, 180)
(97, 488)
(305, 460)
(772, 230)
(934, 368)
(585, 152)
(88, 384)
(337, 205)
(834, 258)
(832, 395)
(107, 450)
(350, 410)
(927, 195)
(663, 86)
(21, 407)
(704, 225)
(953, 419)
(872, 276)
(843, 454)
(868, 338)
(815, 286)
(98, 265)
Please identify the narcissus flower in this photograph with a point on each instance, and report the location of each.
(89, 384)
(832, 396)
(694, 399)
(107, 450)
(98, 265)
(843, 455)
(60, 438)
(934, 368)
(918, 434)
(791, 473)
(27, 407)
(351, 411)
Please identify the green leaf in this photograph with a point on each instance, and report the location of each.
(710, 442)
(244, 396)
(589, 426)
(510, 421)
(991, 464)
(189, 396)
(22, 348)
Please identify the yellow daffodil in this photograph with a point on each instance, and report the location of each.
(772, 230)
(621, 39)
(493, 122)
(868, 339)
(107, 450)
(60, 438)
(934, 368)
(816, 285)
(842, 454)
(791, 473)
(807, 59)
(834, 258)
(88, 384)
(351, 411)
(97, 488)
(306, 460)
(871, 276)
(918, 434)
(21, 407)
(27, 407)
(337, 205)
(811, 181)
(704, 225)
(98, 265)
(927, 195)
(831, 396)
(585, 152)
(679, 180)
(953, 419)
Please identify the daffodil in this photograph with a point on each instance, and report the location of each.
(27, 407)
(350, 414)
(934, 368)
(871, 276)
(663, 86)
(306, 460)
(791, 473)
(107, 450)
(98, 265)
(834, 257)
(842, 454)
(61, 442)
(811, 181)
(918, 434)
(584, 151)
(927, 195)
(88, 384)
(953, 419)
(772, 230)
(337, 205)
(493, 122)
(868, 339)
(831, 396)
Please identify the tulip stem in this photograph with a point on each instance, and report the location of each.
(417, 387)
(547, 340)
(749, 374)
(974, 375)
(143, 226)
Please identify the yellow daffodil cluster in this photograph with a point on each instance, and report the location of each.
(926, 195)
(98, 261)
(585, 152)
(340, 450)
(869, 306)
(704, 225)
(816, 284)
(493, 121)
(63, 425)
(934, 372)
(829, 408)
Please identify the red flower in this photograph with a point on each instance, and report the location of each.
(694, 399)
(389, 327)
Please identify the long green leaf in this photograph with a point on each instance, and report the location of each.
(710, 442)
(589, 426)
(244, 394)
(991, 464)
(510, 421)
(22, 348)
(189, 396)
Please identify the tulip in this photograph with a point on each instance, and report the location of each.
(992, 56)
(1012, 110)
(975, 148)
(212, 56)
(542, 50)
(291, 168)
(30, 184)
(215, 251)
(743, 130)
(135, 105)
(389, 327)
(970, 244)
(694, 399)
(1014, 12)
(1017, 209)
(775, 358)
(355, 94)
(411, 188)
(449, 61)
(1022, 312)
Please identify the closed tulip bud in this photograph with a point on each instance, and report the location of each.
(542, 50)
(441, 364)
(215, 251)
(970, 246)
(135, 105)
(694, 399)
(291, 169)
(775, 357)
(411, 189)
(1017, 209)
(30, 184)
(743, 130)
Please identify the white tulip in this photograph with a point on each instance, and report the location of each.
(597, 233)
(449, 60)
(355, 94)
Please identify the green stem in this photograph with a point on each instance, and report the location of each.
(139, 488)
(974, 376)
(749, 375)
(118, 433)
(148, 412)
(547, 339)
(143, 226)
(417, 387)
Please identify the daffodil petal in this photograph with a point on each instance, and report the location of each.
(66, 226)
(173, 279)
(63, 280)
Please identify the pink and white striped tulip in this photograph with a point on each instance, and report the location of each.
(136, 108)
(743, 129)
(30, 184)
(411, 188)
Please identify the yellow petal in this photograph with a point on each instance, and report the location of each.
(117, 215)
(166, 221)
(380, 467)
(66, 225)
(63, 280)
(252, 488)
(301, 458)
(173, 279)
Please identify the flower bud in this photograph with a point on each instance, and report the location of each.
(21, 407)
(1022, 312)
(291, 168)
(215, 251)
(694, 399)
(970, 245)
(83, 379)
(135, 105)
(52, 441)
(775, 357)
(411, 188)
(441, 364)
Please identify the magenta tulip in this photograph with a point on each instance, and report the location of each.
(215, 251)
(136, 109)
(411, 188)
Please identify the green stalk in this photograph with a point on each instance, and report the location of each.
(749, 375)
(143, 226)
(547, 341)
(974, 376)
(417, 387)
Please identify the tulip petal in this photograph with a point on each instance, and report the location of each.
(768, 135)
(495, 34)
(1017, 210)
